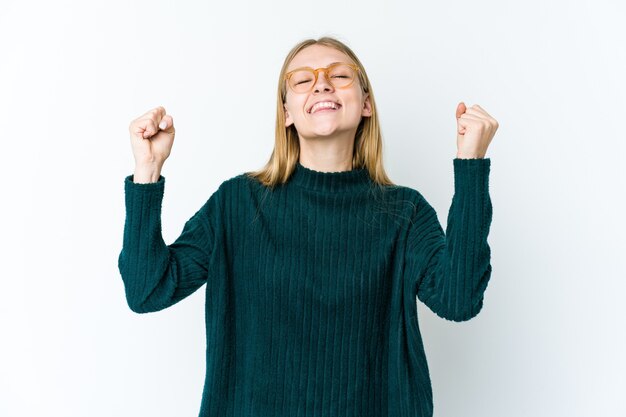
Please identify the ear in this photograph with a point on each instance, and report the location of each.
(288, 119)
(367, 107)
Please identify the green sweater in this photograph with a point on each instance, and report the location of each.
(310, 288)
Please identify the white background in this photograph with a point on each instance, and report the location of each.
(550, 340)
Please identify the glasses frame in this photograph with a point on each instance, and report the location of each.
(325, 70)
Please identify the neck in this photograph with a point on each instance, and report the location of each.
(334, 182)
(323, 165)
(327, 154)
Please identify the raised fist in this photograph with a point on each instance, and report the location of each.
(152, 137)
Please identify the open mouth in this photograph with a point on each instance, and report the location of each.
(324, 106)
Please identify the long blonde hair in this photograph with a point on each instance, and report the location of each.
(368, 139)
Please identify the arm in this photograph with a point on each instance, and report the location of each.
(155, 275)
(450, 271)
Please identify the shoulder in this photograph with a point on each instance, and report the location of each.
(420, 211)
(238, 181)
(398, 201)
(397, 193)
(237, 187)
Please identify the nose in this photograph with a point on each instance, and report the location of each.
(322, 83)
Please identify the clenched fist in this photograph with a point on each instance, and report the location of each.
(151, 138)
(475, 129)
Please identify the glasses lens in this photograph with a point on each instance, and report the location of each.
(341, 75)
(301, 81)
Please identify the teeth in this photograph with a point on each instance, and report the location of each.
(324, 105)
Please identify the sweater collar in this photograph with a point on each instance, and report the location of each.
(339, 181)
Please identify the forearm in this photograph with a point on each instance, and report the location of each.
(144, 256)
(157, 275)
(457, 265)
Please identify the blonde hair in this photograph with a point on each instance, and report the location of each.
(368, 139)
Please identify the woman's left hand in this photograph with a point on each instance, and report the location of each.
(475, 129)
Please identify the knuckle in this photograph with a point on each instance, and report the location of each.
(148, 123)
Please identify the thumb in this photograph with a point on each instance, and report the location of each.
(460, 109)
(167, 124)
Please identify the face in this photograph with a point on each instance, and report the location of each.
(324, 122)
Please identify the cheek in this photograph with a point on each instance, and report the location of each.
(356, 105)
(356, 99)
(295, 107)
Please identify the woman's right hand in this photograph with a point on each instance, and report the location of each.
(151, 138)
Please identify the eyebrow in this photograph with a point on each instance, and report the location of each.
(328, 65)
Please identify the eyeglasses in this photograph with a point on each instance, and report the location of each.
(339, 75)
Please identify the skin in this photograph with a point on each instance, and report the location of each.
(475, 130)
(326, 138)
(151, 138)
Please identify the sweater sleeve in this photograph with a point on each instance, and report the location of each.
(449, 272)
(156, 275)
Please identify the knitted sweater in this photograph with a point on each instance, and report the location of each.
(311, 288)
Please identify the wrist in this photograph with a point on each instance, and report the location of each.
(146, 174)
(469, 156)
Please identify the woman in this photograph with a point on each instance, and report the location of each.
(313, 263)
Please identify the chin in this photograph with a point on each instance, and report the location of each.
(322, 131)
(324, 134)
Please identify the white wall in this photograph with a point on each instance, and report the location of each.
(73, 74)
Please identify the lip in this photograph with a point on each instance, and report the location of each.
(320, 101)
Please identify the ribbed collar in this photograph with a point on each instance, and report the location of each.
(340, 181)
